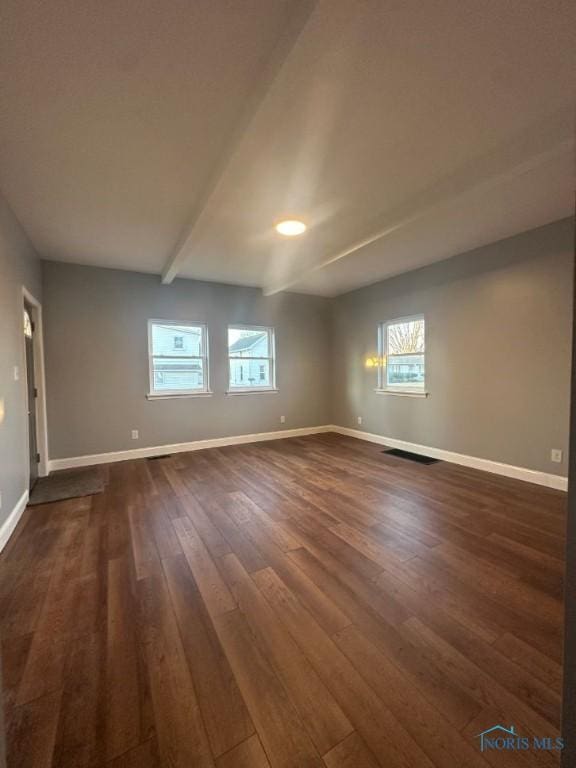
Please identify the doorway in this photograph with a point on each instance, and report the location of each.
(31, 393)
(33, 382)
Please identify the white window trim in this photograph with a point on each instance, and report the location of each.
(253, 391)
(403, 392)
(270, 359)
(168, 394)
(406, 390)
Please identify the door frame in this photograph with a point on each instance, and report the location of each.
(40, 381)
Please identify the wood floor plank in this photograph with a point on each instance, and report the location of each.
(322, 717)
(81, 725)
(219, 506)
(15, 652)
(145, 755)
(158, 514)
(45, 664)
(255, 516)
(535, 663)
(509, 675)
(123, 724)
(327, 613)
(214, 591)
(385, 736)
(350, 753)
(280, 728)
(452, 699)
(182, 741)
(33, 732)
(444, 746)
(248, 754)
(223, 709)
(178, 723)
(482, 685)
(368, 546)
(144, 549)
(211, 536)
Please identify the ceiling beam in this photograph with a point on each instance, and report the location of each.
(300, 12)
(434, 200)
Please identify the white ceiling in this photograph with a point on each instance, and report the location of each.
(169, 138)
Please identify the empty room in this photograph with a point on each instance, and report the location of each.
(286, 332)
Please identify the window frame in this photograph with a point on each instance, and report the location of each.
(271, 360)
(410, 390)
(154, 394)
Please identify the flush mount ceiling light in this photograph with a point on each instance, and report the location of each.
(291, 227)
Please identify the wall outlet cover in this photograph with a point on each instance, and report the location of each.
(556, 455)
(135, 434)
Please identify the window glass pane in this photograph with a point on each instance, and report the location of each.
(177, 374)
(406, 338)
(405, 353)
(243, 342)
(176, 340)
(250, 373)
(405, 369)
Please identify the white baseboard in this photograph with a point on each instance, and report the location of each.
(508, 470)
(7, 528)
(486, 465)
(196, 445)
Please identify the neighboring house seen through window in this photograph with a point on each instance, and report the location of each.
(251, 359)
(178, 357)
(402, 355)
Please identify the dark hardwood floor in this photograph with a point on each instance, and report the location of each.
(304, 602)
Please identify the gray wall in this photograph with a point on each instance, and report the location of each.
(569, 682)
(97, 364)
(498, 355)
(498, 334)
(18, 266)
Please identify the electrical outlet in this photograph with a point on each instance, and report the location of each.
(556, 455)
(282, 419)
(359, 421)
(135, 434)
(16, 373)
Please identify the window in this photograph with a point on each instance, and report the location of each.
(251, 359)
(178, 355)
(402, 356)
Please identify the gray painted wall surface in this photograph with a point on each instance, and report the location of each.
(19, 266)
(97, 360)
(498, 324)
(498, 335)
(569, 683)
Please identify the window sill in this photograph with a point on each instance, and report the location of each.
(176, 396)
(402, 392)
(253, 391)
